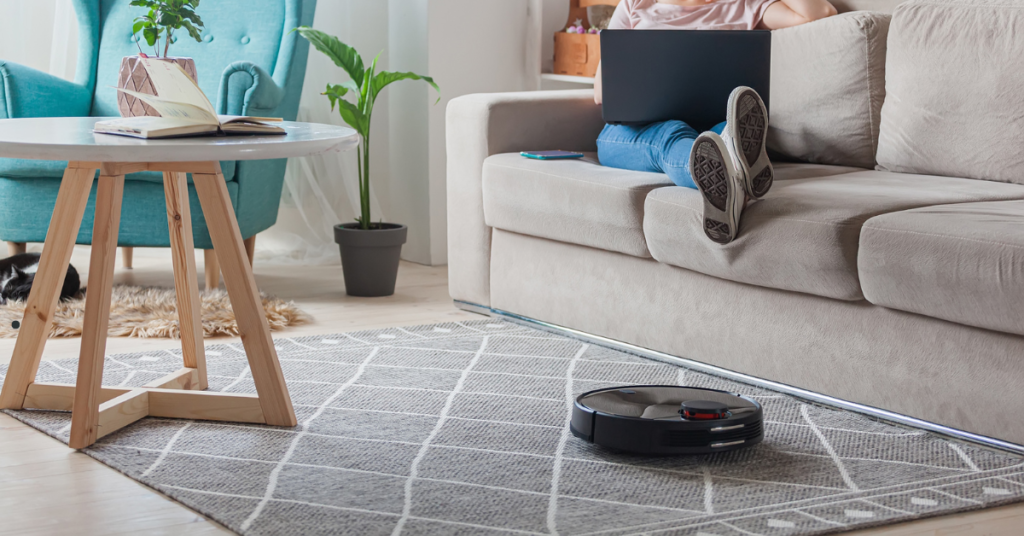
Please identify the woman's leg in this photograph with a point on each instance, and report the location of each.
(658, 147)
(786, 13)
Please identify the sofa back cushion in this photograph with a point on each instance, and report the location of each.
(955, 104)
(828, 84)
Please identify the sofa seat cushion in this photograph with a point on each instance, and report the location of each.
(963, 263)
(803, 236)
(787, 171)
(575, 201)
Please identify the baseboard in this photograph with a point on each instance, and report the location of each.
(804, 394)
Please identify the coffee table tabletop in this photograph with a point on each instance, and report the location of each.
(98, 410)
(72, 138)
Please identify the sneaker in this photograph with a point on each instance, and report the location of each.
(720, 183)
(746, 133)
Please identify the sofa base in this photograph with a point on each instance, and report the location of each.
(804, 394)
(893, 365)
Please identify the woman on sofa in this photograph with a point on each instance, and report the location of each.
(728, 164)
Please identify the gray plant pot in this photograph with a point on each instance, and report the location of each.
(369, 259)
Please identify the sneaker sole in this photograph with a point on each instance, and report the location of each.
(712, 172)
(748, 131)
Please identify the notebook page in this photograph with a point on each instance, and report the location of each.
(173, 84)
(182, 110)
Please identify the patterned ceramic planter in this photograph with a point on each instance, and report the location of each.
(134, 77)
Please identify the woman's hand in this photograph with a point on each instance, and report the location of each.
(788, 13)
(597, 85)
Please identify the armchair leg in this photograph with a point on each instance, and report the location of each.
(126, 256)
(211, 269)
(14, 248)
(250, 248)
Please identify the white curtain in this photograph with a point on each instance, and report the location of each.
(64, 46)
(319, 191)
(323, 190)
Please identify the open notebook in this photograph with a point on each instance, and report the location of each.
(184, 110)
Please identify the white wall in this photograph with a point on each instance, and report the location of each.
(474, 47)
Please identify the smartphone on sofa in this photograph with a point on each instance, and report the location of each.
(551, 155)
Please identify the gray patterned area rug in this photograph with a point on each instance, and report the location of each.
(461, 428)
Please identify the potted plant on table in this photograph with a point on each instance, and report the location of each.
(369, 251)
(157, 28)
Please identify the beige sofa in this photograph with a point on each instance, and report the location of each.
(885, 267)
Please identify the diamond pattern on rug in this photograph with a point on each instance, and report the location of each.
(461, 428)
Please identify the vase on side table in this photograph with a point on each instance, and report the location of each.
(133, 76)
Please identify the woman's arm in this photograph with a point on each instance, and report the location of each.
(597, 84)
(786, 13)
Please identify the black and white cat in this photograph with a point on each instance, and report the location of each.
(18, 272)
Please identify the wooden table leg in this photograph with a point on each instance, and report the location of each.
(85, 415)
(211, 268)
(42, 299)
(245, 298)
(186, 285)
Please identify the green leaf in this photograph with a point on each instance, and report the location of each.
(351, 86)
(353, 116)
(193, 31)
(189, 15)
(384, 78)
(152, 35)
(139, 24)
(169, 19)
(341, 54)
(335, 93)
(367, 89)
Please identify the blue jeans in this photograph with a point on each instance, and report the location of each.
(658, 147)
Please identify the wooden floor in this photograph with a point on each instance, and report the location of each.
(48, 489)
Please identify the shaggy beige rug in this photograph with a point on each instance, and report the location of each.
(151, 313)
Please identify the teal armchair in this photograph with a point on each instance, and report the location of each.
(249, 63)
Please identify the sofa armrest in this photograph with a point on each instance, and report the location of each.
(248, 89)
(482, 125)
(26, 92)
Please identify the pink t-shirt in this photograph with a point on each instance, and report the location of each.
(719, 15)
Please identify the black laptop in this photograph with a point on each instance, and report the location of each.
(657, 75)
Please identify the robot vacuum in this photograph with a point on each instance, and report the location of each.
(667, 419)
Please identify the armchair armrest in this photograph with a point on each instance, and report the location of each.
(26, 92)
(482, 125)
(247, 89)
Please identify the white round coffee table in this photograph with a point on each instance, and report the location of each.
(97, 410)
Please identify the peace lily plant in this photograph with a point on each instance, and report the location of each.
(369, 251)
(365, 85)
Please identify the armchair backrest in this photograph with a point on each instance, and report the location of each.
(256, 31)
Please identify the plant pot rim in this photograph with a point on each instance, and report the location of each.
(385, 226)
(350, 235)
(148, 57)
